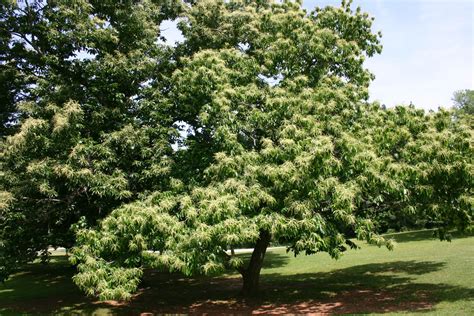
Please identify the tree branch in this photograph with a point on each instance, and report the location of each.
(29, 42)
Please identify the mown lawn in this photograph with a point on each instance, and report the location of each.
(422, 275)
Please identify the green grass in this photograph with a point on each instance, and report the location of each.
(422, 275)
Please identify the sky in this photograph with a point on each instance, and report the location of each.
(428, 49)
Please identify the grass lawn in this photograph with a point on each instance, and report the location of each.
(422, 275)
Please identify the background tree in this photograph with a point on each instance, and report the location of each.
(282, 146)
(464, 101)
(81, 85)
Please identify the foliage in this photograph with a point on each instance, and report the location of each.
(302, 159)
(280, 142)
(87, 128)
(431, 160)
(464, 101)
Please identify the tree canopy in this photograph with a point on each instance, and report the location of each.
(255, 129)
(88, 129)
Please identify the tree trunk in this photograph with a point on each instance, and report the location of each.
(251, 275)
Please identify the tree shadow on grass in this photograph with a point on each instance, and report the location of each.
(48, 288)
(41, 288)
(378, 287)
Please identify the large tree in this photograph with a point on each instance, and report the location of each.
(255, 129)
(280, 145)
(80, 93)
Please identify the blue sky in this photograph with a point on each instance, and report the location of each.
(428, 49)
